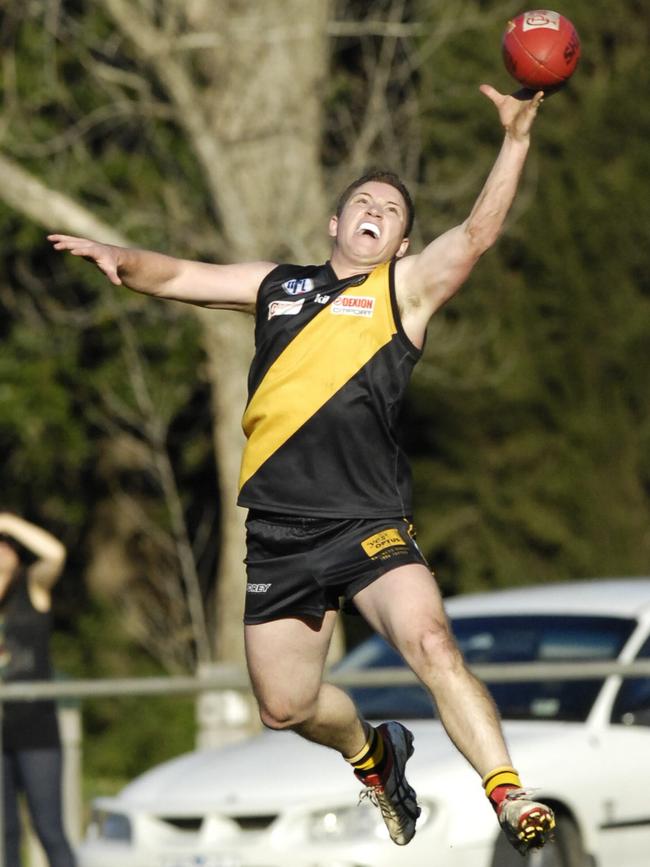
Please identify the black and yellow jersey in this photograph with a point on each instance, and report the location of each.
(331, 366)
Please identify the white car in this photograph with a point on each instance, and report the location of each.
(278, 801)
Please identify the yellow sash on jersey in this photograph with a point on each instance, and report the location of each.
(320, 360)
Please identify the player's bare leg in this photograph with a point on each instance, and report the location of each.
(405, 606)
(286, 659)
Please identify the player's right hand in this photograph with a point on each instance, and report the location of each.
(516, 111)
(105, 256)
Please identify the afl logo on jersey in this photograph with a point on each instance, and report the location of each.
(298, 287)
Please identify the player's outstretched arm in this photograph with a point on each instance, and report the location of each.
(434, 275)
(219, 286)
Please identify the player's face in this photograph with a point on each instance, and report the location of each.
(370, 229)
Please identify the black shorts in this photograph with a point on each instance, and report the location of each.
(302, 567)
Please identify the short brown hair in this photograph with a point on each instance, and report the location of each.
(382, 176)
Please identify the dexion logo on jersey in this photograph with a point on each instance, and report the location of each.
(285, 308)
(353, 305)
(298, 286)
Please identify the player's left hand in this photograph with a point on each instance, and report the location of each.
(516, 111)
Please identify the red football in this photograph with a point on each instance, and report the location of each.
(541, 49)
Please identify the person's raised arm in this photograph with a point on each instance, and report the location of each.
(425, 281)
(231, 287)
(49, 552)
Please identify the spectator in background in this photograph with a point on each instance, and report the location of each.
(31, 561)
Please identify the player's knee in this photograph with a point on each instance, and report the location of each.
(434, 647)
(274, 720)
(279, 715)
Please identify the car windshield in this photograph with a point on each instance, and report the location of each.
(504, 639)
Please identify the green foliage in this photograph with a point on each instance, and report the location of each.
(74, 351)
(528, 421)
(116, 749)
(127, 735)
(533, 462)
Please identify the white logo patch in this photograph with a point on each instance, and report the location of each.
(257, 588)
(353, 305)
(285, 308)
(298, 287)
(541, 18)
(321, 299)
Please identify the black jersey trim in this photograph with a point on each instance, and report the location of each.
(415, 351)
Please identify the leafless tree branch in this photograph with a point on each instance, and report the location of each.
(153, 47)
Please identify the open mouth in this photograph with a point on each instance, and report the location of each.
(369, 229)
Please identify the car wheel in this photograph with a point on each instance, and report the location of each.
(565, 851)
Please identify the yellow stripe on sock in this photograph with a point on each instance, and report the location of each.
(374, 758)
(501, 776)
(370, 754)
(364, 749)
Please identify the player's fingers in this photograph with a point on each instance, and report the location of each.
(63, 239)
(75, 249)
(82, 248)
(63, 242)
(57, 243)
(491, 92)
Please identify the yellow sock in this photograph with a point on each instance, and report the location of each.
(499, 781)
(371, 754)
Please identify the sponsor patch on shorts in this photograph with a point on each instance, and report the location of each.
(257, 588)
(353, 305)
(374, 545)
(285, 308)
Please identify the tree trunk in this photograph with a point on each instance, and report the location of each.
(265, 114)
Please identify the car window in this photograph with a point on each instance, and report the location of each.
(632, 705)
(505, 639)
(382, 702)
(549, 638)
(373, 653)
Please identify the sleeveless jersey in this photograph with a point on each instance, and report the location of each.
(25, 655)
(325, 387)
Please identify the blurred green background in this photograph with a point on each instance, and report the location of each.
(528, 420)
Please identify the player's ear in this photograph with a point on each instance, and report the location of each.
(333, 226)
(403, 247)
